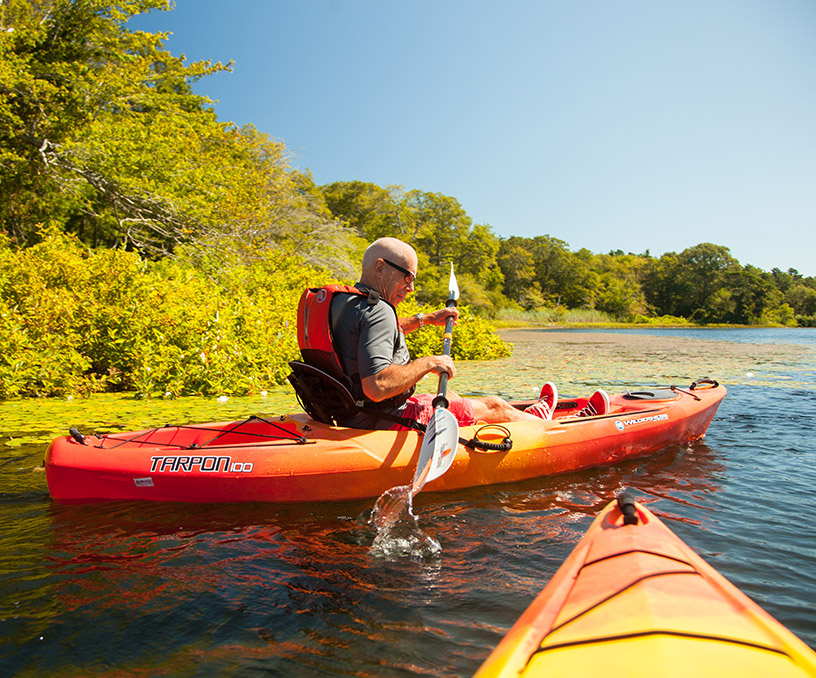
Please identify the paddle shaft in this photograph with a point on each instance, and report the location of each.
(441, 393)
(442, 433)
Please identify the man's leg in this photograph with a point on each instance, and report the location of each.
(495, 410)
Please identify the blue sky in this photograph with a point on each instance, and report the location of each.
(611, 124)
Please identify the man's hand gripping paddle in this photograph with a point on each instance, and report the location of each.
(442, 433)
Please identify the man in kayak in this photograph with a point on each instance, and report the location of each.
(370, 342)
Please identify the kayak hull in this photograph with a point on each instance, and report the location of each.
(294, 459)
(635, 600)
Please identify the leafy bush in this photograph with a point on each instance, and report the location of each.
(76, 320)
(806, 320)
(473, 337)
(661, 320)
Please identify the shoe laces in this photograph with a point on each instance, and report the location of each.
(540, 409)
(587, 411)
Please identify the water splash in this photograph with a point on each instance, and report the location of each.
(398, 532)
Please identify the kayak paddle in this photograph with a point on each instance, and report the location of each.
(442, 433)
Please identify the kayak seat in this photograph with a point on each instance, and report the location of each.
(322, 396)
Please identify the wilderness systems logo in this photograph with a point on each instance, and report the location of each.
(184, 464)
(622, 424)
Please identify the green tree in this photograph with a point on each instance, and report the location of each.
(664, 288)
(443, 233)
(754, 299)
(103, 134)
(689, 284)
(620, 293)
(373, 211)
(565, 278)
(551, 258)
(67, 67)
(439, 229)
(801, 298)
(518, 269)
(703, 268)
(784, 279)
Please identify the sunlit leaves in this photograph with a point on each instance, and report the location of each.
(104, 134)
(78, 320)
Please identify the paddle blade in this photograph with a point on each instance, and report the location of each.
(453, 286)
(438, 448)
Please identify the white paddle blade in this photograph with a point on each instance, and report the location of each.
(453, 286)
(446, 441)
(438, 448)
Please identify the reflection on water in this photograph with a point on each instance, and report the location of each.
(254, 589)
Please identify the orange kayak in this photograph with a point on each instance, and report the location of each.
(634, 600)
(292, 458)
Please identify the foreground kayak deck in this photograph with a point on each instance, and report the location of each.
(294, 459)
(635, 600)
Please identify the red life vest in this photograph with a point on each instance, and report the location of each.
(314, 326)
(316, 341)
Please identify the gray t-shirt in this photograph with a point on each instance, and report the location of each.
(368, 339)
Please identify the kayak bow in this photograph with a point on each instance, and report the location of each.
(633, 599)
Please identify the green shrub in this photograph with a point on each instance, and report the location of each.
(75, 320)
(806, 320)
(473, 337)
(659, 320)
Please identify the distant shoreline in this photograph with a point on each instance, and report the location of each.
(504, 325)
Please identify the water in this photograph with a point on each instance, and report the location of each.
(803, 336)
(131, 589)
(397, 530)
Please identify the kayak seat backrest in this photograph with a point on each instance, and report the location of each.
(324, 361)
(324, 397)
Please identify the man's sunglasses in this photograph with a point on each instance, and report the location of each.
(409, 277)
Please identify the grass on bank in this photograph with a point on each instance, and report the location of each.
(580, 317)
(588, 318)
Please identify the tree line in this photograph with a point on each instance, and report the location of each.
(702, 284)
(105, 148)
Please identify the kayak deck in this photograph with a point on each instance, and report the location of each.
(635, 600)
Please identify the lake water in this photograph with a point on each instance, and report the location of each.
(132, 589)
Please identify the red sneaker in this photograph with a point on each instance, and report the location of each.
(598, 404)
(545, 406)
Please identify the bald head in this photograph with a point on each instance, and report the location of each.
(381, 276)
(389, 248)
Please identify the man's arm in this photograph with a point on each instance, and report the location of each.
(440, 317)
(396, 379)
